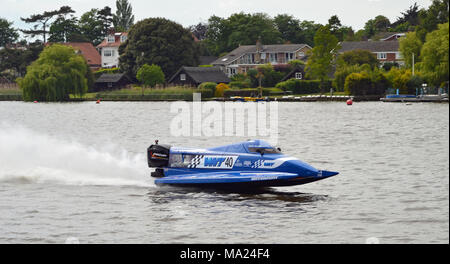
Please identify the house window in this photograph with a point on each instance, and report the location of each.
(301, 54)
(108, 53)
(298, 75)
(111, 39)
(232, 71)
(110, 85)
(182, 77)
(289, 56)
(273, 57)
(381, 56)
(123, 38)
(398, 56)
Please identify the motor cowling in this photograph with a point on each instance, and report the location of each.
(158, 155)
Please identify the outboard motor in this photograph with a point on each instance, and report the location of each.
(158, 157)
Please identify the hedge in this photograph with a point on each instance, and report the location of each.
(108, 71)
(301, 86)
(240, 92)
(240, 84)
(208, 86)
(158, 95)
(358, 84)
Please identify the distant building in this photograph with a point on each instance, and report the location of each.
(386, 51)
(297, 72)
(206, 60)
(111, 81)
(193, 76)
(388, 36)
(88, 51)
(248, 57)
(15, 46)
(109, 49)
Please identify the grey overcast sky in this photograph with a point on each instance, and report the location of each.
(352, 13)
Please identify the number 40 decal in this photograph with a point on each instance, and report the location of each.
(229, 162)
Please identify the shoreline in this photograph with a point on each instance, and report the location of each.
(309, 98)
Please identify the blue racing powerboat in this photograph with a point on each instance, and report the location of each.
(253, 163)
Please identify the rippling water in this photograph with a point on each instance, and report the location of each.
(79, 170)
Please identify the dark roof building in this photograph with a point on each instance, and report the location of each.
(388, 36)
(110, 81)
(386, 51)
(373, 46)
(206, 60)
(258, 48)
(193, 76)
(296, 73)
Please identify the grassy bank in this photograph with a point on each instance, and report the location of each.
(10, 94)
(135, 93)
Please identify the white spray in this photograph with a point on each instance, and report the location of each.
(32, 157)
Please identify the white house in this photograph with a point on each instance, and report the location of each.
(109, 49)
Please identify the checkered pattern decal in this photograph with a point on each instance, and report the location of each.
(258, 164)
(195, 161)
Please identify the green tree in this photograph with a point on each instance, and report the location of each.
(17, 60)
(399, 78)
(296, 64)
(105, 19)
(378, 24)
(227, 34)
(123, 19)
(157, 41)
(358, 83)
(58, 72)
(150, 75)
(63, 28)
(337, 29)
(199, 30)
(335, 23)
(8, 34)
(435, 56)
(409, 45)
(269, 77)
(429, 19)
(325, 49)
(91, 27)
(309, 29)
(357, 57)
(43, 21)
(408, 19)
(289, 27)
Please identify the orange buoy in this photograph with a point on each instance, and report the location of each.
(349, 102)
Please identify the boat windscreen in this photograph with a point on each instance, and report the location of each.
(263, 150)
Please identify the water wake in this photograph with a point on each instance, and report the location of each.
(27, 156)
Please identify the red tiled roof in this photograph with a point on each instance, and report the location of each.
(88, 51)
(116, 42)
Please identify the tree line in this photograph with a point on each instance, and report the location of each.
(169, 45)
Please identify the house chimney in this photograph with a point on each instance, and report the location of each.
(259, 46)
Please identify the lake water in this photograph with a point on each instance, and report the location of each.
(78, 171)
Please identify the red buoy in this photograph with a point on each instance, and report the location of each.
(97, 102)
(349, 102)
(35, 101)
